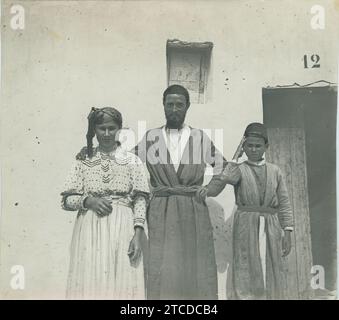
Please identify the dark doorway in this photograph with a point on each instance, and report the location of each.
(312, 110)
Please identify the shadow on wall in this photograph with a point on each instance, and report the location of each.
(222, 234)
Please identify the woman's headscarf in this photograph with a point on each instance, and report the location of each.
(96, 117)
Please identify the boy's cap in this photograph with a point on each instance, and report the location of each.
(256, 129)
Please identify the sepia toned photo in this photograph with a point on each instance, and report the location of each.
(169, 150)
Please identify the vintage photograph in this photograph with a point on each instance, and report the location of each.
(169, 150)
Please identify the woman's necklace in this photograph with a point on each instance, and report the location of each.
(109, 154)
(107, 175)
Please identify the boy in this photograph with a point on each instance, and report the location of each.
(262, 223)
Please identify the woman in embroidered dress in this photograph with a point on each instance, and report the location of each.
(109, 189)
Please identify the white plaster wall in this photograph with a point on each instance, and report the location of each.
(75, 55)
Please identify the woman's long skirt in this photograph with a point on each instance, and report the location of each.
(100, 267)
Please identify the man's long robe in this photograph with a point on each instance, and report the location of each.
(181, 249)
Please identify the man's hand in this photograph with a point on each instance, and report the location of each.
(201, 194)
(286, 243)
(99, 205)
(239, 152)
(82, 154)
(134, 250)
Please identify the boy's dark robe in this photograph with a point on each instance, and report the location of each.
(261, 194)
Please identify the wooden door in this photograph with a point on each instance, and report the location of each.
(301, 125)
(287, 150)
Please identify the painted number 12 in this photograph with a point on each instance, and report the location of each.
(313, 59)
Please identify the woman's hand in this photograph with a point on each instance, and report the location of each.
(201, 194)
(99, 205)
(134, 250)
(286, 243)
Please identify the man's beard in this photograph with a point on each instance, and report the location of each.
(174, 122)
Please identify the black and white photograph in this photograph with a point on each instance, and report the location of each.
(169, 150)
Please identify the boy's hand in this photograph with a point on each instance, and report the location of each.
(82, 154)
(201, 194)
(286, 243)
